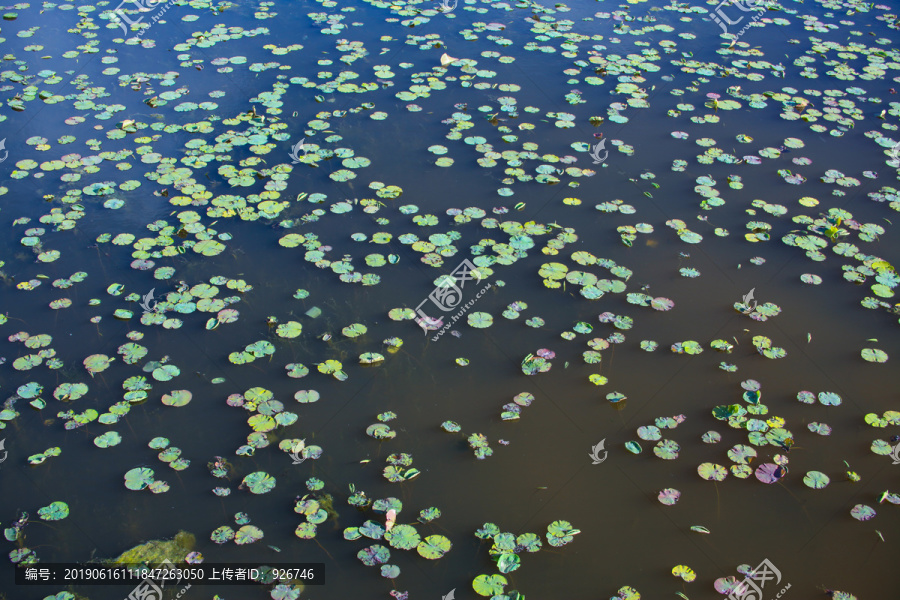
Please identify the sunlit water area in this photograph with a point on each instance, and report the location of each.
(450, 300)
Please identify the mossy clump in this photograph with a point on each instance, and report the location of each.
(326, 503)
(155, 552)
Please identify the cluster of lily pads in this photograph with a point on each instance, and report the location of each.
(399, 468)
(245, 534)
(664, 449)
(505, 551)
(380, 430)
(55, 511)
(269, 414)
(761, 434)
(758, 312)
(399, 536)
(141, 478)
(512, 409)
(539, 363)
(478, 442)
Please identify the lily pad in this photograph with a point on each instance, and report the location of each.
(816, 480)
(259, 482)
(56, 511)
(489, 585)
(433, 547)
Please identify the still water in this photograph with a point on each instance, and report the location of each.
(623, 176)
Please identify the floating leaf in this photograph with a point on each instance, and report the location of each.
(138, 478)
(874, 355)
(712, 472)
(56, 511)
(433, 547)
(259, 482)
(685, 572)
(862, 512)
(699, 529)
(108, 439)
(560, 533)
(768, 472)
(816, 480)
(667, 450)
(669, 496)
(402, 537)
(489, 585)
(248, 534)
(290, 329)
(96, 363)
(375, 554)
(177, 398)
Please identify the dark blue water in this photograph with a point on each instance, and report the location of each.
(543, 472)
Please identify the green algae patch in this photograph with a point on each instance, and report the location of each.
(156, 552)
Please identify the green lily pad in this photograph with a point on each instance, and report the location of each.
(259, 482)
(56, 511)
(177, 398)
(667, 450)
(433, 547)
(97, 363)
(712, 471)
(248, 534)
(508, 562)
(222, 535)
(816, 480)
(402, 537)
(290, 329)
(138, 478)
(874, 355)
(560, 533)
(166, 372)
(375, 554)
(489, 585)
(108, 439)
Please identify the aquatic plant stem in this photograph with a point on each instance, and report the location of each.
(100, 260)
(718, 515)
(875, 545)
(797, 499)
(127, 422)
(323, 549)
